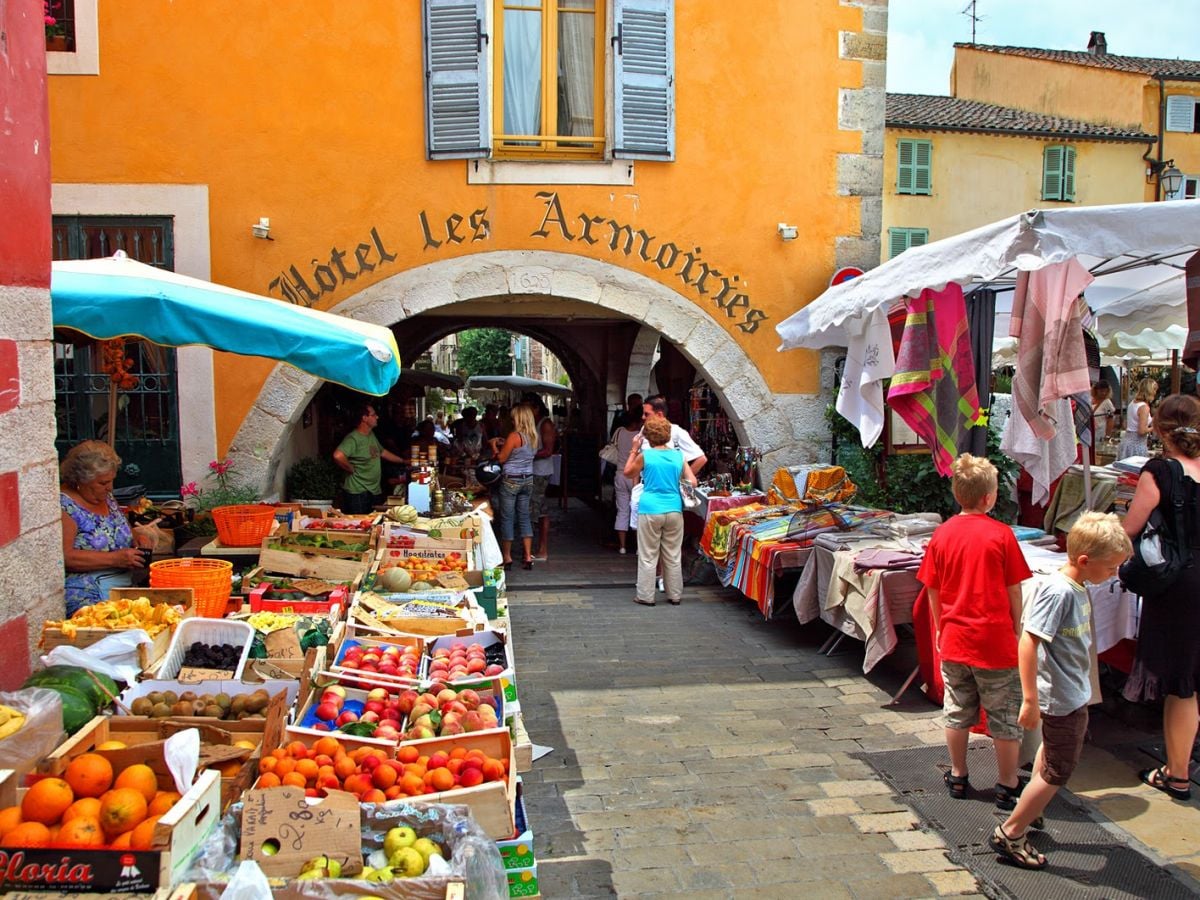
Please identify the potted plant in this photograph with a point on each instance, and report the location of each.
(56, 35)
(228, 490)
(313, 481)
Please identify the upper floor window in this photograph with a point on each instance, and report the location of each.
(900, 239)
(1189, 189)
(548, 98)
(1058, 173)
(914, 163)
(544, 95)
(1183, 113)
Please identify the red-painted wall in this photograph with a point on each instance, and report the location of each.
(24, 146)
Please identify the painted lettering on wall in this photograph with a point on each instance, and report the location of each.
(325, 277)
(708, 282)
(456, 229)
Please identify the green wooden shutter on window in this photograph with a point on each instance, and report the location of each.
(1052, 173)
(923, 167)
(897, 242)
(644, 79)
(1068, 173)
(904, 167)
(456, 85)
(918, 237)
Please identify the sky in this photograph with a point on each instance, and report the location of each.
(922, 33)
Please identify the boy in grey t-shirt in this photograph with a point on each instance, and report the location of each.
(1055, 664)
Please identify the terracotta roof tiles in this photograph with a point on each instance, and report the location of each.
(933, 112)
(1142, 65)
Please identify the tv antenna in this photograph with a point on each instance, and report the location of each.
(971, 12)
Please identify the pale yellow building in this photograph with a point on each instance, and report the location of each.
(951, 165)
(1158, 96)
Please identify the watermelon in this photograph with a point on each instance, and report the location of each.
(80, 680)
(77, 709)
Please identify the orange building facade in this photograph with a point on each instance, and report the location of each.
(603, 177)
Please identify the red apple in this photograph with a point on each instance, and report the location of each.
(369, 716)
(379, 694)
(493, 669)
(321, 726)
(327, 711)
(391, 723)
(346, 718)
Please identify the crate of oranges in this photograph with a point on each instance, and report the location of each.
(102, 825)
(476, 770)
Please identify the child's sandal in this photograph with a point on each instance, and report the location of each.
(1006, 797)
(957, 785)
(1017, 850)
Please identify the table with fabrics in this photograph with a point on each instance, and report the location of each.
(752, 544)
(710, 505)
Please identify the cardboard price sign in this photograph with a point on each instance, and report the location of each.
(283, 644)
(195, 675)
(453, 581)
(281, 830)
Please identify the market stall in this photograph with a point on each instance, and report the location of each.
(371, 660)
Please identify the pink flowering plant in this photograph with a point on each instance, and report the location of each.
(53, 28)
(225, 490)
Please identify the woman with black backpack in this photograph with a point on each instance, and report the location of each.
(1168, 651)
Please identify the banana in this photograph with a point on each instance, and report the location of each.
(12, 724)
(5, 714)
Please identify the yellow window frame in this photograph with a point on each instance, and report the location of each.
(549, 145)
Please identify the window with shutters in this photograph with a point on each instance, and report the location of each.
(900, 239)
(1189, 189)
(914, 164)
(539, 92)
(1058, 173)
(1183, 113)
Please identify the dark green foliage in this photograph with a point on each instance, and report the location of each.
(484, 351)
(314, 478)
(909, 483)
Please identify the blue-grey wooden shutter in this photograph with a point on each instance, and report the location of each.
(1068, 170)
(897, 241)
(1052, 163)
(644, 79)
(1181, 113)
(456, 94)
(904, 167)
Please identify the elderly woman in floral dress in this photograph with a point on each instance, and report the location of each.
(98, 550)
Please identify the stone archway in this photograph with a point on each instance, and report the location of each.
(788, 428)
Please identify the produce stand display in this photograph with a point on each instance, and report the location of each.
(280, 706)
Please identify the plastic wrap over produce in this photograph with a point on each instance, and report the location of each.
(470, 855)
(31, 727)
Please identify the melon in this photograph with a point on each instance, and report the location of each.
(420, 586)
(395, 580)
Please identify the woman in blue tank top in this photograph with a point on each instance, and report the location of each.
(660, 511)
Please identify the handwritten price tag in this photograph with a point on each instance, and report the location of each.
(281, 830)
(194, 675)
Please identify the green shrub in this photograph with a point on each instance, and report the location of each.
(313, 478)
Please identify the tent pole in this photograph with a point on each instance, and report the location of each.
(1175, 372)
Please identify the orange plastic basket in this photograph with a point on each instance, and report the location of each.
(243, 526)
(211, 581)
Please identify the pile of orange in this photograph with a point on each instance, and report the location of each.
(371, 775)
(89, 806)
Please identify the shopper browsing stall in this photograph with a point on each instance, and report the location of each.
(516, 488)
(660, 511)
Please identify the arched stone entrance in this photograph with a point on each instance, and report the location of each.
(788, 428)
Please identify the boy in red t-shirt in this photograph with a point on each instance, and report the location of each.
(972, 572)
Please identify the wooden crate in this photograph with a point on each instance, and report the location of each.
(314, 562)
(176, 836)
(148, 654)
(522, 745)
(493, 804)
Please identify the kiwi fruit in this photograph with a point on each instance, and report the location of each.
(198, 707)
(256, 704)
(187, 696)
(181, 708)
(223, 700)
(170, 698)
(155, 697)
(213, 712)
(160, 710)
(142, 706)
(238, 704)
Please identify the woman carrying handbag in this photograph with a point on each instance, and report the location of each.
(1168, 651)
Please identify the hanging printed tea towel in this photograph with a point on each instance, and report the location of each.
(869, 361)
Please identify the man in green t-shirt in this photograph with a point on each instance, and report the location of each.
(359, 455)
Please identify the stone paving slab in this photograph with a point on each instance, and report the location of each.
(700, 751)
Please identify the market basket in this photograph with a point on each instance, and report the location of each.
(211, 581)
(243, 526)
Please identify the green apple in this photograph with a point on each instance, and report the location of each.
(397, 838)
(426, 848)
(382, 875)
(407, 862)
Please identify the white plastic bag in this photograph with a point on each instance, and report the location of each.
(41, 733)
(635, 497)
(248, 883)
(115, 656)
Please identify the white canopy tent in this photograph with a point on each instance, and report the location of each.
(1136, 252)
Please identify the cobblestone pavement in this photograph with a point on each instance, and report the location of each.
(701, 751)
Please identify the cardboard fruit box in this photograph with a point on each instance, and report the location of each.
(493, 803)
(488, 639)
(177, 835)
(148, 654)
